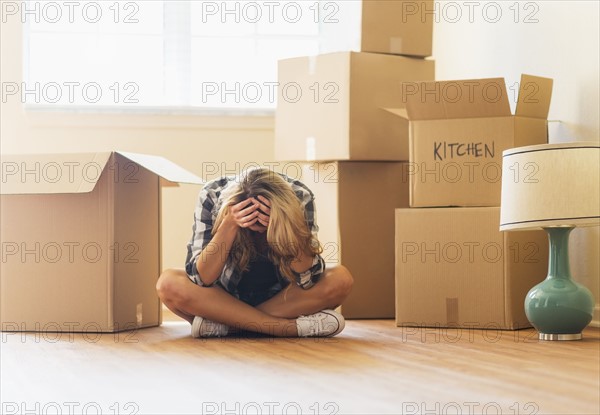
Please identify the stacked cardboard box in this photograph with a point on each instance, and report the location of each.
(331, 119)
(453, 266)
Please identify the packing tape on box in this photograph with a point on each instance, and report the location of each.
(312, 65)
(452, 312)
(139, 314)
(311, 152)
(396, 45)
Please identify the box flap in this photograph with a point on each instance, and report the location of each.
(163, 168)
(474, 98)
(400, 112)
(534, 97)
(51, 173)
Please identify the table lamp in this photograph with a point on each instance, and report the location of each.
(554, 187)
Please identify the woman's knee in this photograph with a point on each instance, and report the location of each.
(344, 279)
(169, 286)
(340, 284)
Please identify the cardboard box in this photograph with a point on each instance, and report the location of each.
(329, 106)
(355, 204)
(455, 269)
(379, 26)
(81, 240)
(458, 131)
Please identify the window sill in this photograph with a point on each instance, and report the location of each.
(149, 117)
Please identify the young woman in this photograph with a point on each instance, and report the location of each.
(254, 262)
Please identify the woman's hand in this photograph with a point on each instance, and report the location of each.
(263, 207)
(251, 213)
(244, 214)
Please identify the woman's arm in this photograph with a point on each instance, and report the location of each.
(302, 263)
(308, 268)
(212, 259)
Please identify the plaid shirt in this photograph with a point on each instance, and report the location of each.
(205, 215)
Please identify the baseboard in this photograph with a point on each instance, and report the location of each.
(596, 317)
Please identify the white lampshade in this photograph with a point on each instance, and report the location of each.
(550, 185)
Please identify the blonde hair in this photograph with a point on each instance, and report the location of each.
(288, 234)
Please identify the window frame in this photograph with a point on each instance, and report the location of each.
(38, 111)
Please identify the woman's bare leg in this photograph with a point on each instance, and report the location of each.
(187, 300)
(332, 289)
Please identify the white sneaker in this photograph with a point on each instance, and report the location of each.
(202, 327)
(325, 323)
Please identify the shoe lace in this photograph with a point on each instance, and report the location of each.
(212, 328)
(315, 324)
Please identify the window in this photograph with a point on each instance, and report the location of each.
(173, 54)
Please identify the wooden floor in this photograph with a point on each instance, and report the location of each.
(373, 367)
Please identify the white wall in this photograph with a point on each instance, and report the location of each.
(563, 45)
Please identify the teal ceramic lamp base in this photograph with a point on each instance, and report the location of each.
(558, 307)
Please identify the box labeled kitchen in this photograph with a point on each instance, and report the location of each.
(81, 240)
(458, 130)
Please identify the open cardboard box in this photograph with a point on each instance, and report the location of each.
(81, 240)
(458, 131)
